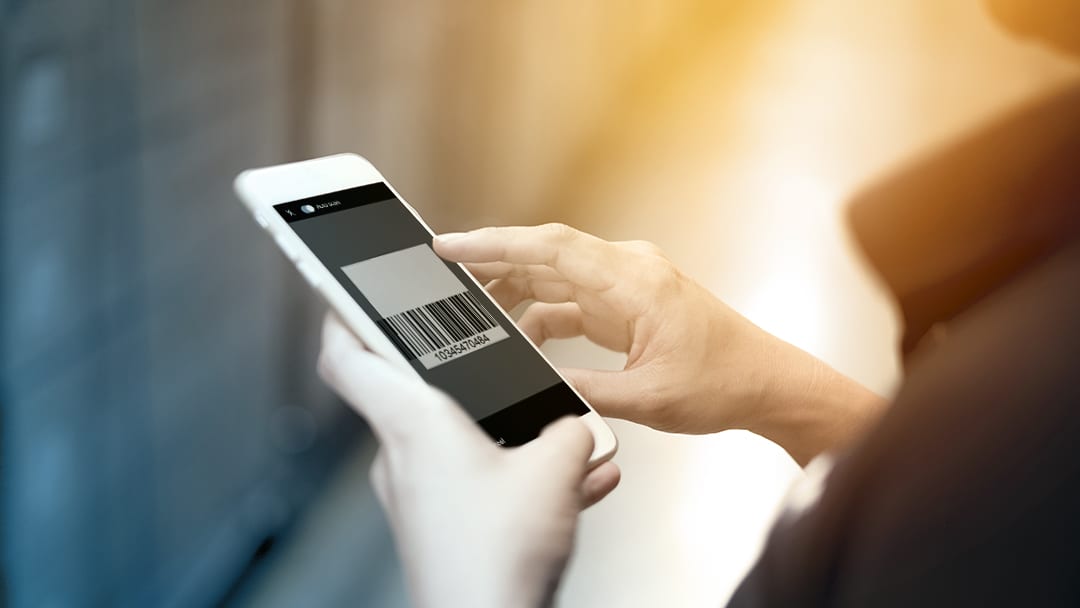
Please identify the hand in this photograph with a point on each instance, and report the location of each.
(693, 364)
(475, 524)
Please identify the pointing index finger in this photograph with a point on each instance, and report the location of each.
(581, 258)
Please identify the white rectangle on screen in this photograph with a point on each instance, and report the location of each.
(426, 310)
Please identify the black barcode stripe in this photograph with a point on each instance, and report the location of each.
(462, 317)
(418, 338)
(404, 332)
(470, 316)
(391, 330)
(487, 314)
(418, 324)
(483, 317)
(456, 329)
(459, 332)
(439, 319)
(423, 329)
(384, 325)
(433, 328)
(478, 320)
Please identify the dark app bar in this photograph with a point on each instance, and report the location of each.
(322, 204)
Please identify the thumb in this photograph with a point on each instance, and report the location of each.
(611, 393)
(400, 408)
(564, 445)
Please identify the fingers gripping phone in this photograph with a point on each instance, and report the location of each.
(368, 253)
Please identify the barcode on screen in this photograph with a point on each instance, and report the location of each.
(422, 330)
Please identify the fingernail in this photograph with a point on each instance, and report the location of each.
(449, 236)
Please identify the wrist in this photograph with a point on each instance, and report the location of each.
(509, 583)
(493, 594)
(809, 408)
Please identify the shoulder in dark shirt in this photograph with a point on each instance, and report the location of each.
(967, 492)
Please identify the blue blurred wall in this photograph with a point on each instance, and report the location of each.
(160, 419)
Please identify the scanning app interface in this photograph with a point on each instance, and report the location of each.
(427, 312)
(431, 311)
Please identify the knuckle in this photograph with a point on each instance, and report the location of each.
(332, 356)
(331, 347)
(658, 410)
(325, 367)
(377, 474)
(558, 231)
(647, 248)
(489, 231)
(380, 482)
(582, 385)
(659, 273)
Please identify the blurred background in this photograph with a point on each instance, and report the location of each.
(164, 438)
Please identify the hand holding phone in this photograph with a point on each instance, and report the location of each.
(476, 525)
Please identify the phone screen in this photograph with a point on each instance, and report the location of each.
(436, 316)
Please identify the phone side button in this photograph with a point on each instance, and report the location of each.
(286, 247)
(261, 221)
(308, 274)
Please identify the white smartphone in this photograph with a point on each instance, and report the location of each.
(369, 254)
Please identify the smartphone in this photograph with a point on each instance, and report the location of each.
(368, 254)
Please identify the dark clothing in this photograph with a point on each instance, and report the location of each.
(967, 492)
(964, 221)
